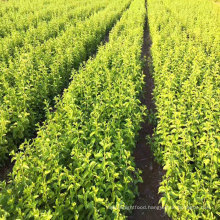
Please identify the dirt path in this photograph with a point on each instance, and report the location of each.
(147, 207)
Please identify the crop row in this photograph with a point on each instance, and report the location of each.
(199, 25)
(11, 45)
(22, 41)
(37, 76)
(80, 165)
(185, 57)
(23, 14)
(18, 43)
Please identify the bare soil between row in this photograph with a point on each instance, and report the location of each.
(147, 205)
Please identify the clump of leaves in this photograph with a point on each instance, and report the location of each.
(39, 67)
(186, 141)
(80, 165)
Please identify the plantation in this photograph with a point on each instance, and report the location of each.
(72, 81)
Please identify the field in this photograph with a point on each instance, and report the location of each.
(109, 109)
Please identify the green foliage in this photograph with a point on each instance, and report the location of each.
(186, 58)
(39, 68)
(80, 165)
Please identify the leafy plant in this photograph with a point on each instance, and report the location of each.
(80, 166)
(37, 72)
(185, 55)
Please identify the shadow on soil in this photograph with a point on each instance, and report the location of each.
(152, 172)
(5, 170)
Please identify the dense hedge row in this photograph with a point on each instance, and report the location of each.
(37, 73)
(20, 41)
(24, 14)
(186, 58)
(80, 165)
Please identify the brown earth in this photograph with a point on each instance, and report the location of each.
(147, 203)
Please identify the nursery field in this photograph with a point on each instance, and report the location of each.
(109, 109)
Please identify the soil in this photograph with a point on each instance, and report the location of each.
(147, 203)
